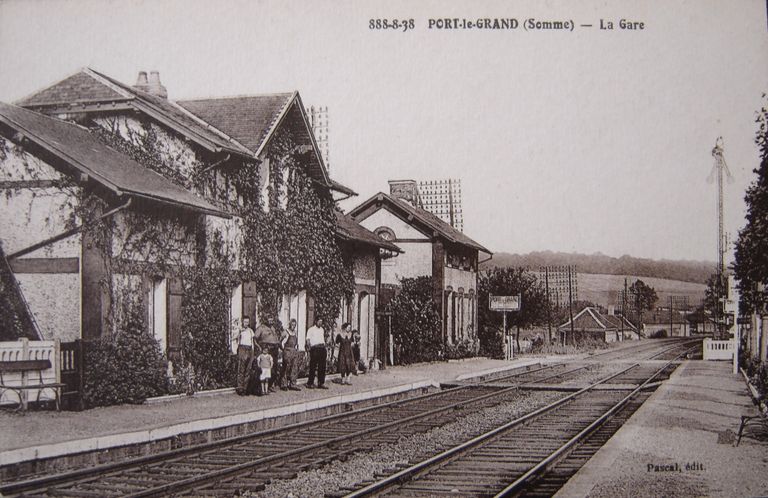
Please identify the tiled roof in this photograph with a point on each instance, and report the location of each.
(590, 319)
(347, 228)
(89, 86)
(253, 119)
(433, 222)
(248, 120)
(80, 87)
(239, 125)
(83, 151)
(616, 321)
(168, 109)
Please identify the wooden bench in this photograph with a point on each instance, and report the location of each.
(25, 366)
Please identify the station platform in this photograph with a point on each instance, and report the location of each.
(681, 442)
(46, 441)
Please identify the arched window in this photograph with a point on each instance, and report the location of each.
(385, 233)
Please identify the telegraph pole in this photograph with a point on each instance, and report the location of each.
(720, 167)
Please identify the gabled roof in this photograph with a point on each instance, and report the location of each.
(240, 125)
(117, 172)
(253, 120)
(590, 319)
(617, 320)
(88, 87)
(348, 229)
(432, 224)
(248, 119)
(83, 86)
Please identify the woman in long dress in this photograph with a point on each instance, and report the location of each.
(346, 362)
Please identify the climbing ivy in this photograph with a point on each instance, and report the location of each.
(295, 247)
(205, 311)
(288, 242)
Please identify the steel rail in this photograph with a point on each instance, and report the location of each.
(680, 344)
(81, 475)
(554, 376)
(635, 348)
(411, 471)
(229, 471)
(545, 464)
(91, 474)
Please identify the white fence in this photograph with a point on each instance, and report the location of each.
(22, 350)
(718, 350)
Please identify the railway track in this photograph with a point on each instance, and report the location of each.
(251, 461)
(647, 350)
(533, 455)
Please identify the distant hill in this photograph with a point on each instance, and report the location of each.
(604, 289)
(684, 271)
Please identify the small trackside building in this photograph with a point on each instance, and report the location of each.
(590, 323)
(433, 248)
(366, 251)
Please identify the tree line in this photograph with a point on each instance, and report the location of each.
(686, 271)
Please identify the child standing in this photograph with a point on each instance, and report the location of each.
(265, 364)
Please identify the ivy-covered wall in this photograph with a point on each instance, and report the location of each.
(30, 214)
(281, 240)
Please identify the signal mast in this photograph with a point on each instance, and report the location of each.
(719, 169)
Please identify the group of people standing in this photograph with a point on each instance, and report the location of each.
(258, 354)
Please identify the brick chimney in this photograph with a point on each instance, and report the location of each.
(406, 190)
(141, 82)
(155, 87)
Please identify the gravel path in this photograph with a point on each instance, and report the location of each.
(363, 466)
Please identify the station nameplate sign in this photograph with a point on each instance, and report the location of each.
(504, 303)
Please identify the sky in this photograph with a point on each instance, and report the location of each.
(582, 141)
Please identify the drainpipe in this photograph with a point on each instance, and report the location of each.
(216, 164)
(68, 233)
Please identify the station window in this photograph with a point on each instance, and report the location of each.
(385, 233)
(159, 311)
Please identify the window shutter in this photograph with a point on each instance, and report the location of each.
(175, 298)
(251, 302)
(311, 311)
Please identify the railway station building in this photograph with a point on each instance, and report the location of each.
(112, 191)
(590, 323)
(431, 247)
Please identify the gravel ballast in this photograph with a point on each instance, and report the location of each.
(408, 450)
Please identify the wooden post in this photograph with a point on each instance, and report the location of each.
(57, 359)
(389, 341)
(80, 365)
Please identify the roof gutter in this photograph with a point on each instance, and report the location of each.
(68, 233)
(184, 205)
(490, 257)
(344, 198)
